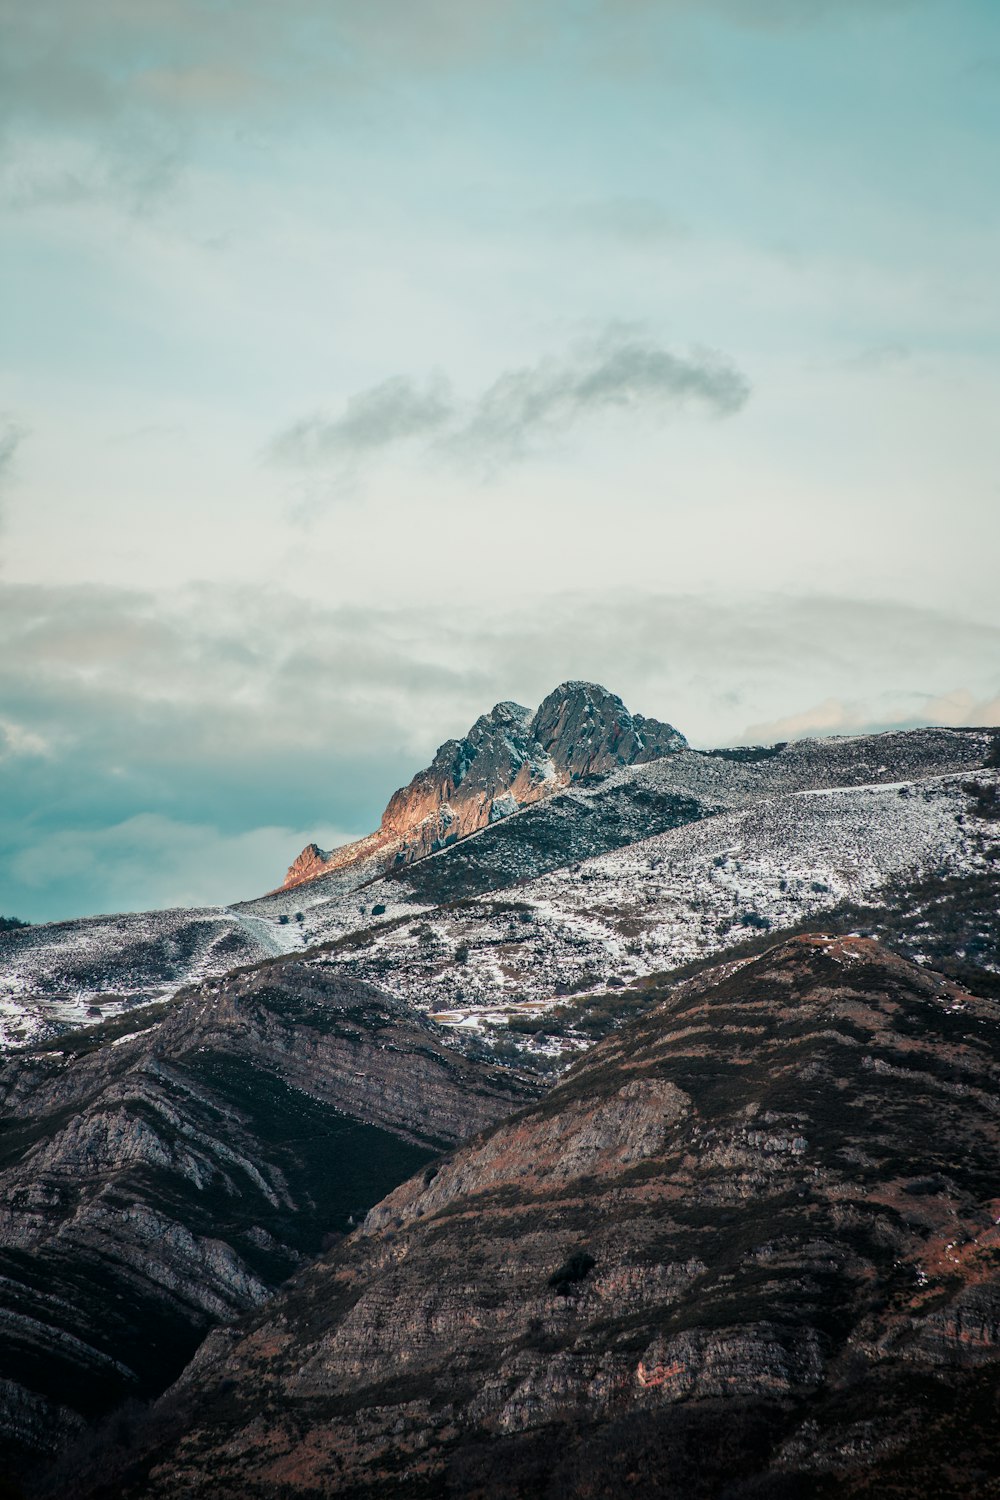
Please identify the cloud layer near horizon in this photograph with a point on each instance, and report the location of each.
(168, 750)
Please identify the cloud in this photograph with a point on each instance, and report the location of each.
(15, 739)
(522, 410)
(150, 861)
(122, 92)
(624, 370)
(12, 435)
(834, 716)
(119, 93)
(963, 707)
(838, 716)
(372, 420)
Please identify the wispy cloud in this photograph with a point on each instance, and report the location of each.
(882, 711)
(523, 410)
(137, 83)
(12, 434)
(624, 370)
(371, 421)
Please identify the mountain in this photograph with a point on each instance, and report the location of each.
(156, 1181)
(746, 1247)
(509, 759)
(52, 977)
(261, 1075)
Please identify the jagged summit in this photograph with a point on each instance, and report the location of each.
(588, 731)
(510, 757)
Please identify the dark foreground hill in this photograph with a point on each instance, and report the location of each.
(154, 1184)
(747, 1247)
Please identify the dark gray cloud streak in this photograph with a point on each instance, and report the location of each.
(624, 370)
(12, 435)
(372, 420)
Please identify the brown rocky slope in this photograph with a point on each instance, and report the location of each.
(748, 1246)
(152, 1185)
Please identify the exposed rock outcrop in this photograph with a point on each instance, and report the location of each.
(312, 861)
(748, 1246)
(50, 975)
(509, 759)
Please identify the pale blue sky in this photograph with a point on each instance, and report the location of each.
(379, 322)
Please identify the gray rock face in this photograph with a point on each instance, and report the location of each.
(587, 731)
(509, 759)
(766, 1210)
(152, 1188)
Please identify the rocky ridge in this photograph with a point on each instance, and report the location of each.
(128, 1151)
(65, 974)
(747, 1247)
(509, 759)
(155, 1183)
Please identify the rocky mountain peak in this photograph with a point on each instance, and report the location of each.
(312, 861)
(510, 758)
(588, 731)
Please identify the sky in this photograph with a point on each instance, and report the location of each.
(362, 366)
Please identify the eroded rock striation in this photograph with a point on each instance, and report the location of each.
(748, 1246)
(155, 1184)
(509, 759)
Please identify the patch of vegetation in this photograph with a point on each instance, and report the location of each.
(87, 1039)
(572, 1271)
(593, 1017)
(985, 800)
(11, 924)
(748, 754)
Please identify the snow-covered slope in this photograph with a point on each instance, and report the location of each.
(704, 841)
(69, 973)
(680, 895)
(615, 811)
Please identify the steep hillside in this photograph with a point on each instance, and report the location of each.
(156, 1182)
(780, 860)
(747, 1247)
